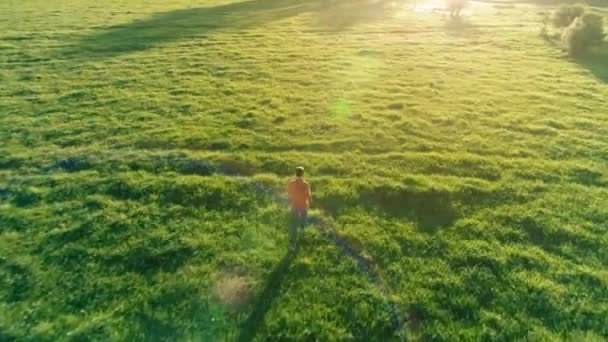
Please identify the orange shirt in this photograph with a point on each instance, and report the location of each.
(299, 193)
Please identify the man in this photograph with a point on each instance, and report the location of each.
(455, 7)
(299, 194)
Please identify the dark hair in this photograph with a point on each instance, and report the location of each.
(299, 171)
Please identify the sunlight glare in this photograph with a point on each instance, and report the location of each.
(429, 6)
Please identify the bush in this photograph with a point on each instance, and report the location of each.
(565, 15)
(584, 32)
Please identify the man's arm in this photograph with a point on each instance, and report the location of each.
(289, 192)
(308, 194)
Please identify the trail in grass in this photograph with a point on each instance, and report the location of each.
(255, 319)
(365, 267)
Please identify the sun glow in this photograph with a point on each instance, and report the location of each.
(429, 6)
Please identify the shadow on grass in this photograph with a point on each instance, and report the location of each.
(562, 242)
(255, 320)
(188, 23)
(589, 177)
(456, 23)
(16, 281)
(593, 3)
(431, 209)
(459, 27)
(596, 61)
(145, 260)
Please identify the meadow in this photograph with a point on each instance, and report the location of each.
(146, 145)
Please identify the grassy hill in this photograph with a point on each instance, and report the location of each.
(460, 165)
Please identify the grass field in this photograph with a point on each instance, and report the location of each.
(145, 146)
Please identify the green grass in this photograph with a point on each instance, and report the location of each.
(146, 145)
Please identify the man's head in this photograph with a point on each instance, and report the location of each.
(299, 171)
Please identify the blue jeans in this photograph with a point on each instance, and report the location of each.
(298, 218)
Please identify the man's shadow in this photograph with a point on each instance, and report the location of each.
(255, 320)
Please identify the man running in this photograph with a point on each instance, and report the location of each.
(299, 194)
